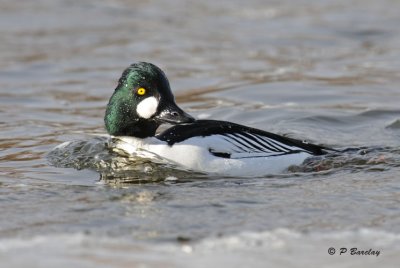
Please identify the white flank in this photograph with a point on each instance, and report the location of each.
(194, 154)
(147, 107)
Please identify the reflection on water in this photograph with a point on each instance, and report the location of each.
(325, 71)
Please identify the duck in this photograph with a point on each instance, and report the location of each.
(143, 101)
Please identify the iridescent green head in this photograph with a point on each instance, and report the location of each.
(141, 102)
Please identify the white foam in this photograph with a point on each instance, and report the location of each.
(63, 145)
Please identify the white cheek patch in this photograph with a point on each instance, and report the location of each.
(147, 107)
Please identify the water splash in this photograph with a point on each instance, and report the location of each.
(115, 167)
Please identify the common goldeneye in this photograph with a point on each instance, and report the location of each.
(143, 101)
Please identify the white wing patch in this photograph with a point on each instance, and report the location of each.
(147, 107)
(246, 145)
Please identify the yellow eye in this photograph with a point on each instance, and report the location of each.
(141, 91)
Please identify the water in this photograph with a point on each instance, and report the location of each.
(326, 71)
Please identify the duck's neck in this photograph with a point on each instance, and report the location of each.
(141, 129)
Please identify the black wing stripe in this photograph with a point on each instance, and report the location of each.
(256, 146)
(270, 155)
(281, 147)
(290, 147)
(250, 141)
(272, 144)
(242, 142)
(233, 141)
(255, 143)
(229, 140)
(241, 149)
(268, 144)
(246, 147)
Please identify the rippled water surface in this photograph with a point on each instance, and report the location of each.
(325, 71)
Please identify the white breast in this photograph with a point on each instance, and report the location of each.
(194, 154)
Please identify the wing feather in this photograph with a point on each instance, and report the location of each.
(246, 145)
(269, 144)
(230, 140)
